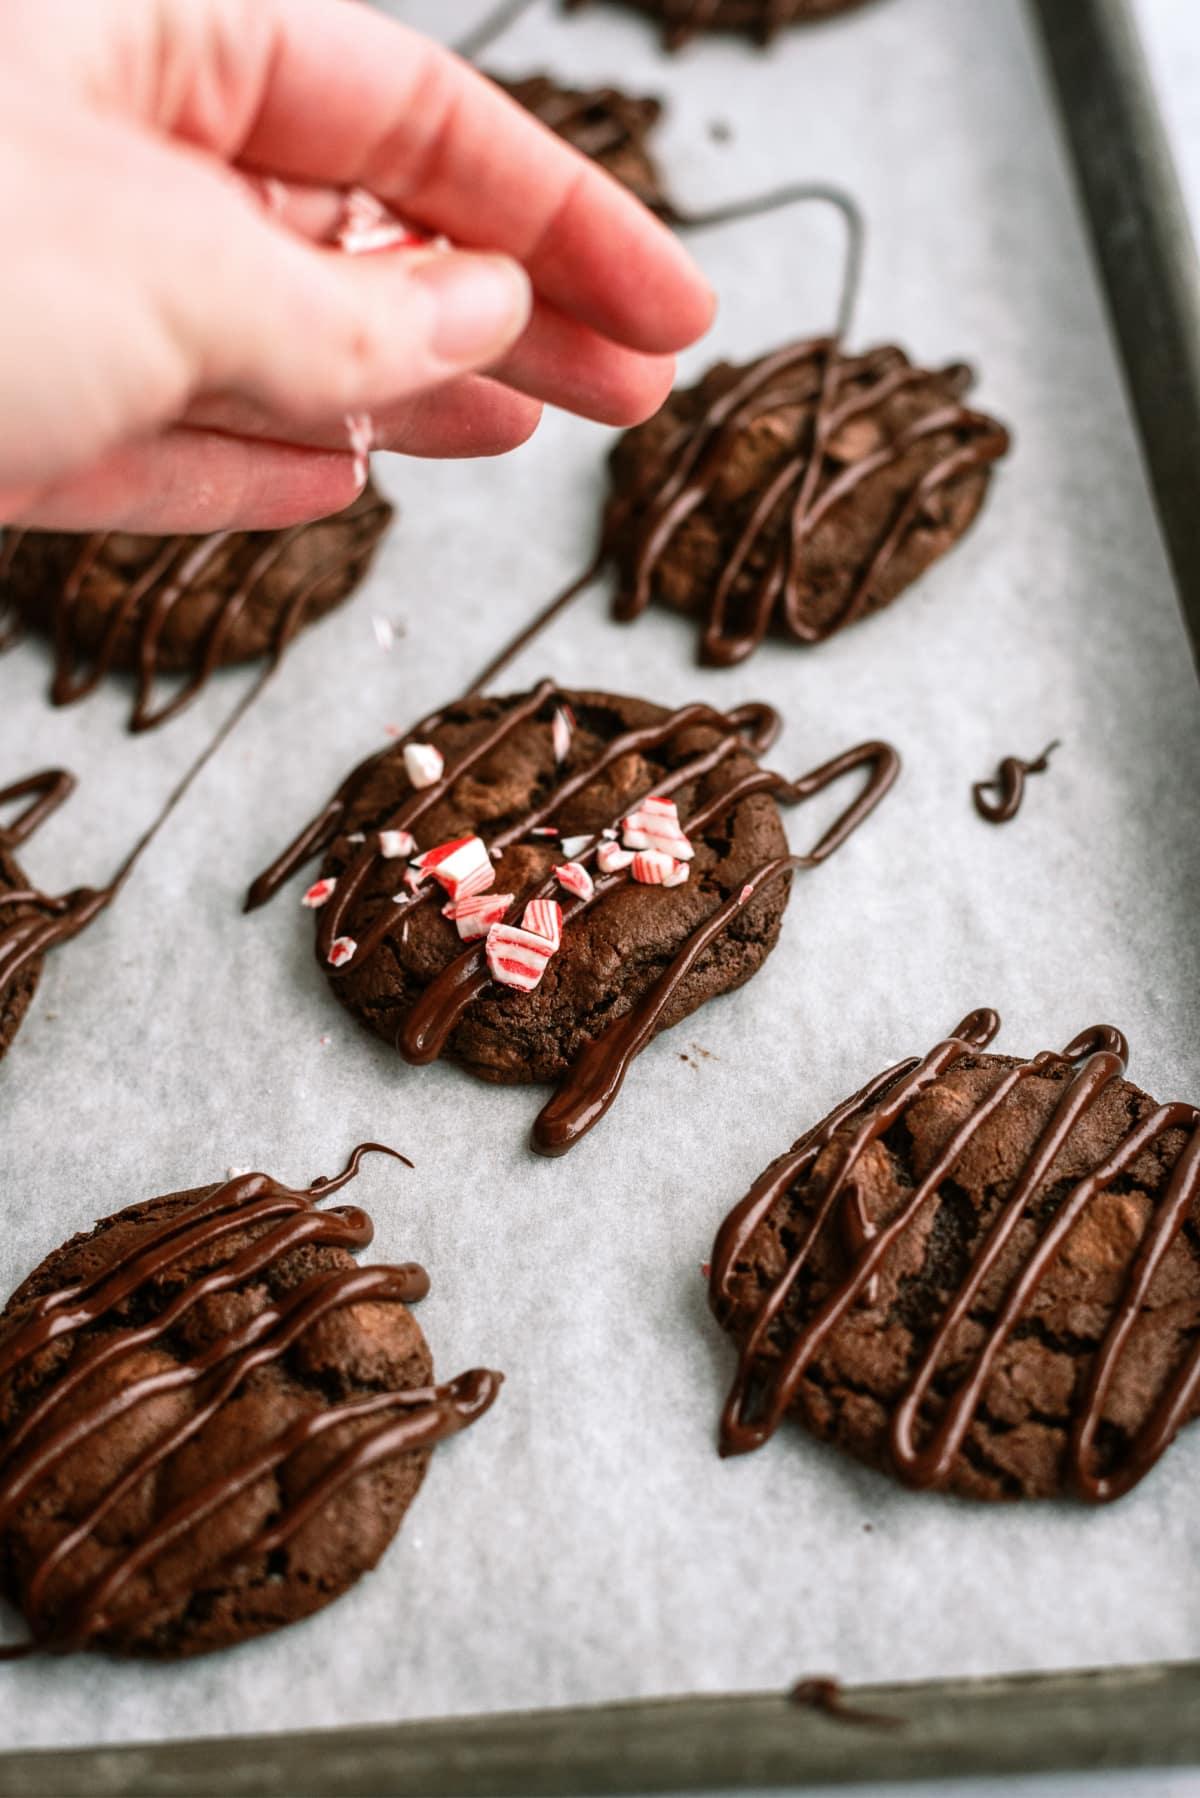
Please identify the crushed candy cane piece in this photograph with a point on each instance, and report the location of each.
(544, 918)
(517, 957)
(573, 847)
(654, 869)
(476, 915)
(237, 1173)
(367, 225)
(654, 824)
(423, 763)
(341, 950)
(324, 1041)
(319, 894)
(462, 868)
(392, 730)
(357, 836)
(575, 877)
(611, 858)
(395, 843)
(562, 729)
(745, 894)
(385, 631)
(360, 429)
(543, 830)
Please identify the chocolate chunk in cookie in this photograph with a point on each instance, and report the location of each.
(185, 606)
(535, 886)
(212, 1420)
(795, 494)
(762, 20)
(980, 1274)
(604, 123)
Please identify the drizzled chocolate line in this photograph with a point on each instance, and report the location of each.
(410, 1419)
(828, 1696)
(999, 798)
(148, 603)
(763, 1389)
(599, 1071)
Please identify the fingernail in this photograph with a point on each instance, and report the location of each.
(481, 304)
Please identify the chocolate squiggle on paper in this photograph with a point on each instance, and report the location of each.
(761, 20)
(90, 1315)
(999, 799)
(924, 1455)
(598, 1073)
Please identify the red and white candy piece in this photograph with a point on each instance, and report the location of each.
(341, 950)
(654, 869)
(747, 892)
(360, 429)
(463, 867)
(562, 729)
(367, 225)
(611, 858)
(575, 877)
(573, 847)
(423, 763)
(517, 957)
(319, 894)
(393, 844)
(655, 825)
(475, 916)
(544, 918)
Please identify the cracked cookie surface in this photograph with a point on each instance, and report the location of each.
(880, 1360)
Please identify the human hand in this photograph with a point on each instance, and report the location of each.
(175, 355)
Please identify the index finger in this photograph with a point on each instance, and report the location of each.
(350, 97)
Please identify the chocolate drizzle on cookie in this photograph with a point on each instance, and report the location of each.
(761, 20)
(925, 1437)
(597, 1074)
(842, 445)
(167, 575)
(97, 1317)
(999, 799)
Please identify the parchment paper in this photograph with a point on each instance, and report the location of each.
(584, 1542)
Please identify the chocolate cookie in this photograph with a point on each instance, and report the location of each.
(609, 126)
(583, 871)
(212, 1421)
(795, 494)
(32, 922)
(981, 1274)
(761, 20)
(181, 605)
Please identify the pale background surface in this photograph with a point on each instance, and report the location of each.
(584, 1542)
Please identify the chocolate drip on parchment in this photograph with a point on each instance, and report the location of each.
(924, 1456)
(147, 605)
(33, 922)
(409, 1419)
(598, 1073)
(999, 798)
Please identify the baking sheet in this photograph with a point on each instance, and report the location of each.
(584, 1542)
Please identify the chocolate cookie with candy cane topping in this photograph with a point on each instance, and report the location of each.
(981, 1274)
(535, 886)
(796, 494)
(161, 606)
(212, 1419)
